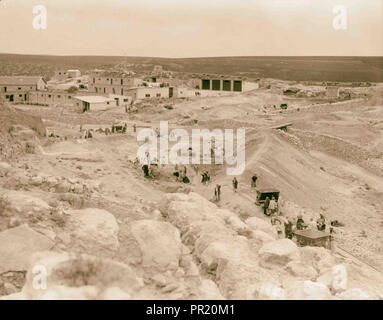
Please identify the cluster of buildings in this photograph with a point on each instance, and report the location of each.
(113, 89)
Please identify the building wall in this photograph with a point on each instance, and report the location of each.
(227, 85)
(112, 85)
(100, 106)
(121, 101)
(17, 93)
(142, 93)
(249, 86)
(74, 73)
(50, 98)
(61, 74)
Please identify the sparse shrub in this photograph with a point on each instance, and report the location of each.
(72, 89)
(60, 220)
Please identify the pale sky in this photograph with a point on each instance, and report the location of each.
(192, 28)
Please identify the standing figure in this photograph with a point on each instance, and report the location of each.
(266, 206)
(273, 206)
(321, 223)
(300, 223)
(254, 181)
(217, 192)
(235, 184)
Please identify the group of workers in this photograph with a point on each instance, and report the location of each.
(217, 189)
(279, 221)
(270, 206)
(205, 177)
(107, 131)
(181, 174)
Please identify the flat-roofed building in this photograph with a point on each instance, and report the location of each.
(113, 83)
(17, 88)
(94, 103)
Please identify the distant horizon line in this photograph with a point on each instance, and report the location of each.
(199, 57)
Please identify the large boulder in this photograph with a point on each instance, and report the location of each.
(262, 237)
(160, 244)
(17, 245)
(236, 280)
(354, 294)
(301, 270)
(232, 248)
(308, 290)
(318, 257)
(266, 291)
(208, 290)
(56, 276)
(255, 223)
(93, 231)
(278, 253)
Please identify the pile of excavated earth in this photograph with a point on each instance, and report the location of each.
(78, 219)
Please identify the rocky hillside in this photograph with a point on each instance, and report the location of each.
(18, 131)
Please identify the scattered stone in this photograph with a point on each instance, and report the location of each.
(5, 169)
(160, 280)
(63, 187)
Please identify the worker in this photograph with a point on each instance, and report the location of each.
(134, 128)
(288, 229)
(217, 192)
(266, 206)
(235, 184)
(300, 223)
(254, 181)
(321, 223)
(278, 228)
(205, 177)
(145, 168)
(273, 206)
(124, 128)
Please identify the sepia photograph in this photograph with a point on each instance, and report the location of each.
(201, 152)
